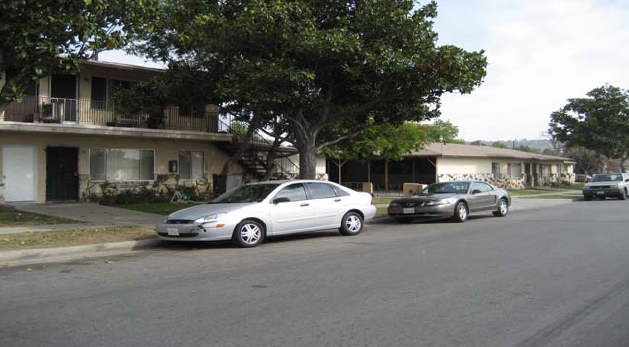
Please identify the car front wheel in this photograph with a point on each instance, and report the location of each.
(460, 212)
(623, 194)
(503, 208)
(248, 233)
(351, 224)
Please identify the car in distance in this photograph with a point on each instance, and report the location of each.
(607, 185)
(250, 213)
(456, 200)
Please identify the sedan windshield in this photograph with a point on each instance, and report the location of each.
(447, 188)
(246, 193)
(607, 177)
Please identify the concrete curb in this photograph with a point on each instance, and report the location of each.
(45, 255)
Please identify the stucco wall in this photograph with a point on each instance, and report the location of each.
(165, 150)
(447, 166)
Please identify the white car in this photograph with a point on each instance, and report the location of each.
(254, 211)
(606, 185)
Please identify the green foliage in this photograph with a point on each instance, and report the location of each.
(477, 143)
(379, 141)
(599, 122)
(525, 148)
(443, 131)
(587, 160)
(142, 196)
(315, 65)
(499, 144)
(44, 37)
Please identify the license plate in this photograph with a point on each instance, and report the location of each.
(408, 210)
(600, 192)
(172, 231)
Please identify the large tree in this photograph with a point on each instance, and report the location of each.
(38, 38)
(317, 63)
(599, 122)
(588, 161)
(444, 131)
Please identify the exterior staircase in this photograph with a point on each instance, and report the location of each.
(253, 159)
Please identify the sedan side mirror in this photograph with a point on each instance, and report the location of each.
(475, 191)
(279, 200)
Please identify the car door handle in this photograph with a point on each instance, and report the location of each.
(304, 205)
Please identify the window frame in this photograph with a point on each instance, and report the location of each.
(89, 164)
(203, 173)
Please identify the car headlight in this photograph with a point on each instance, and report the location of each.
(209, 218)
(394, 204)
(448, 201)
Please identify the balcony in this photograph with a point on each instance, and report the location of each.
(87, 112)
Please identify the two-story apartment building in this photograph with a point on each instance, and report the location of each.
(65, 141)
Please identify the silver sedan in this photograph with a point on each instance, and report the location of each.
(456, 200)
(254, 211)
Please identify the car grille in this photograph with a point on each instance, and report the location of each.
(413, 204)
(179, 221)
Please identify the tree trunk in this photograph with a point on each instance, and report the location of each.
(307, 158)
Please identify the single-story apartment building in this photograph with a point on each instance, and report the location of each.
(438, 162)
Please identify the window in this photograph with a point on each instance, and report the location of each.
(483, 187)
(122, 164)
(321, 190)
(515, 170)
(294, 192)
(495, 170)
(99, 93)
(191, 165)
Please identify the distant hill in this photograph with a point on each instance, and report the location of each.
(540, 145)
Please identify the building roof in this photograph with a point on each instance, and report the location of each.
(121, 66)
(452, 150)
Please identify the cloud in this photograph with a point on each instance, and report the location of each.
(540, 53)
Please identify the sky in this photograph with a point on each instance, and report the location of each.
(540, 53)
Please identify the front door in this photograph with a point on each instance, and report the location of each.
(18, 170)
(62, 181)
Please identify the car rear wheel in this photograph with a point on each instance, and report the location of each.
(503, 208)
(248, 233)
(351, 224)
(460, 212)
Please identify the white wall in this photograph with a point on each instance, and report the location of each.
(450, 166)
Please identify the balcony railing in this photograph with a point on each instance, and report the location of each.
(85, 111)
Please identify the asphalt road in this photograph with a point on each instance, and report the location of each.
(548, 277)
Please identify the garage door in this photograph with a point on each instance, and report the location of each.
(19, 170)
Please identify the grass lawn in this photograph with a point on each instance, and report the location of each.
(13, 218)
(380, 201)
(574, 186)
(554, 196)
(521, 192)
(161, 208)
(65, 238)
